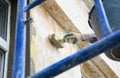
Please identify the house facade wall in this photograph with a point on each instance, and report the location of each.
(45, 22)
(43, 53)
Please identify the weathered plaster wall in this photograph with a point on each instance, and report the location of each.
(77, 11)
(43, 53)
(59, 15)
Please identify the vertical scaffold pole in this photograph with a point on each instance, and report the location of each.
(20, 42)
(104, 24)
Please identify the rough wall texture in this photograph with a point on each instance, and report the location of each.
(77, 11)
(59, 15)
(43, 53)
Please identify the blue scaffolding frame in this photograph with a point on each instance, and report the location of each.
(109, 41)
(20, 42)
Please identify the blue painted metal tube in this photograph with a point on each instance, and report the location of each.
(20, 42)
(81, 56)
(33, 4)
(104, 24)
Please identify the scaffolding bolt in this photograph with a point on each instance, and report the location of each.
(29, 20)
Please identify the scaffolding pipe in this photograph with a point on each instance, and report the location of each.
(104, 24)
(81, 56)
(20, 42)
(33, 4)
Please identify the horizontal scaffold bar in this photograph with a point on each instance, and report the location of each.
(101, 46)
(33, 4)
